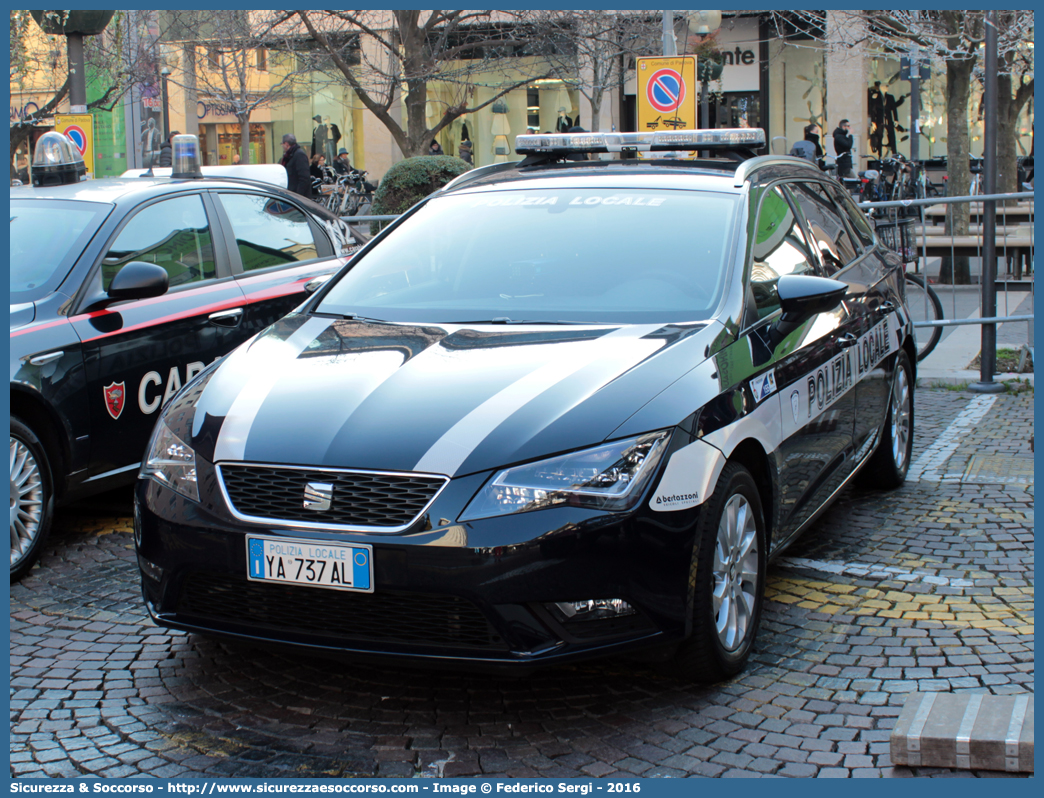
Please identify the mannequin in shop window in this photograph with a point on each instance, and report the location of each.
(884, 119)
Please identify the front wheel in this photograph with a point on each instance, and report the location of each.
(924, 305)
(888, 466)
(730, 580)
(32, 498)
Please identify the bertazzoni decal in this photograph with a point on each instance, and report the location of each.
(689, 478)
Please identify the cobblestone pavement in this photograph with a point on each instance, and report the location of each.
(925, 588)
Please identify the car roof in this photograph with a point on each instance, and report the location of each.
(115, 189)
(699, 175)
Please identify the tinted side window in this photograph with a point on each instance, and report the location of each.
(779, 248)
(863, 231)
(268, 232)
(173, 234)
(831, 238)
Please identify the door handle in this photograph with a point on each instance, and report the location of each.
(227, 318)
(43, 360)
(847, 340)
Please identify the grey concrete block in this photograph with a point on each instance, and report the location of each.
(967, 731)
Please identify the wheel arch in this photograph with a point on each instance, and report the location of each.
(47, 425)
(911, 351)
(752, 456)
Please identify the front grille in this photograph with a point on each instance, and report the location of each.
(384, 617)
(361, 499)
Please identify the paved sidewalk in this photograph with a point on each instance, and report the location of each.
(926, 588)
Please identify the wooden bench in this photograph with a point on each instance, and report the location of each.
(976, 230)
(1019, 249)
(1006, 214)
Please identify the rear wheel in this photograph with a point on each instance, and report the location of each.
(32, 498)
(888, 466)
(730, 580)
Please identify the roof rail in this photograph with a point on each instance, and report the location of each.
(747, 168)
(477, 173)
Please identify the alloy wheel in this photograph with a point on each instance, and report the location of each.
(27, 497)
(735, 571)
(901, 412)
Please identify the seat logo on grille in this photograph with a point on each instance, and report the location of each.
(318, 495)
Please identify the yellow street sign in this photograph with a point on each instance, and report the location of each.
(79, 128)
(667, 93)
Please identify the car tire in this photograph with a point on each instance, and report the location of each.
(890, 462)
(730, 580)
(32, 498)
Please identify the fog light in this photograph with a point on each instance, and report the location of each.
(592, 609)
(150, 569)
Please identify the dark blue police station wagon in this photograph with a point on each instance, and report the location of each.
(559, 409)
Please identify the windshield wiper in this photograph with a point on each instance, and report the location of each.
(507, 320)
(350, 317)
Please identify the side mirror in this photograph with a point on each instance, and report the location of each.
(801, 297)
(316, 283)
(139, 280)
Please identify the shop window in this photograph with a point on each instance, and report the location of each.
(173, 234)
(268, 232)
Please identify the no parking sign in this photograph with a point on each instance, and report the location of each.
(666, 93)
(79, 128)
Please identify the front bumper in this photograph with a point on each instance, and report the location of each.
(476, 591)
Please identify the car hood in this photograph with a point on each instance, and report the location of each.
(442, 399)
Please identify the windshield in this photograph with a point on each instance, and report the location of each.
(47, 236)
(586, 255)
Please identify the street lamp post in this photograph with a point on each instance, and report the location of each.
(703, 23)
(74, 25)
(670, 45)
(164, 74)
(988, 354)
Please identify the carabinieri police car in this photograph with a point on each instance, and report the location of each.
(558, 409)
(122, 291)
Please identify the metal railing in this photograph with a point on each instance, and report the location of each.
(1006, 248)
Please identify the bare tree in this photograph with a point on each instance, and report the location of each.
(399, 53)
(595, 48)
(235, 70)
(953, 41)
(38, 61)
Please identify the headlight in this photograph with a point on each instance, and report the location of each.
(609, 477)
(172, 462)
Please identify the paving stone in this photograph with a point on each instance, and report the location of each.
(96, 688)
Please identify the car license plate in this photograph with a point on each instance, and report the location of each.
(313, 563)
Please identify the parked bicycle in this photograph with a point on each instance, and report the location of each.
(921, 299)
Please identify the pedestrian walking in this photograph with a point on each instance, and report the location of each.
(435, 148)
(812, 135)
(298, 178)
(464, 151)
(166, 156)
(843, 149)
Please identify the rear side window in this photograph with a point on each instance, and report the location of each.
(829, 235)
(856, 217)
(174, 234)
(779, 248)
(268, 231)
